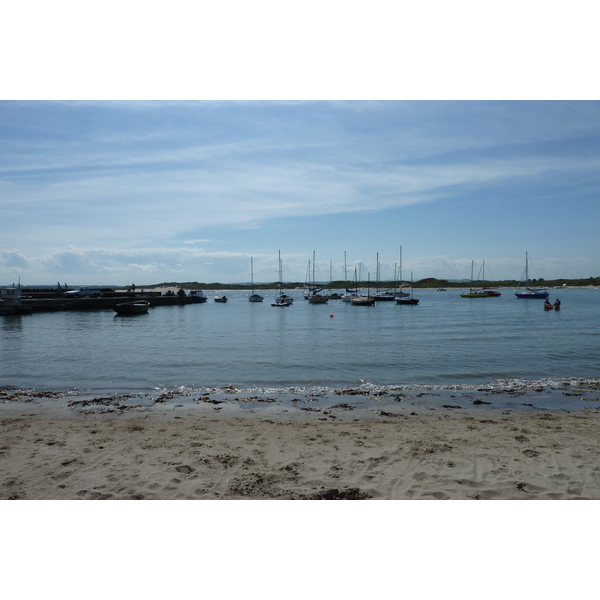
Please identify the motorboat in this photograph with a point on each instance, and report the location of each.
(281, 303)
(220, 299)
(284, 298)
(317, 299)
(386, 296)
(198, 296)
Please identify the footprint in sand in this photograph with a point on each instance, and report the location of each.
(186, 469)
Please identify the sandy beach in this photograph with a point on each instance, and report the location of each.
(179, 451)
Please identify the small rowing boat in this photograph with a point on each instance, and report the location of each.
(137, 307)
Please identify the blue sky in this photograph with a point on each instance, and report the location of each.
(119, 192)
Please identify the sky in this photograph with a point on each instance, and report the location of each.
(120, 192)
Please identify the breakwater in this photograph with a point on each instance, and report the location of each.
(102, 303)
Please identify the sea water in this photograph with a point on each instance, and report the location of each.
(445, 341)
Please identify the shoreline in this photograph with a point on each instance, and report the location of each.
(80, 447)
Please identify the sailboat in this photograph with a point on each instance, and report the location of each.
(282, 299)
(473, 293)
(253, 297)
(313, 295)
(367, 300)
(490, 292)
(347, 297)
(529, 292)
(400, 293)
(411, 300)
(386, 294)
(332, 295)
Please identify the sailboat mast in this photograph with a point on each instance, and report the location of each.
(471, 287)
(345, 270)
(280, 272)
(400, 285)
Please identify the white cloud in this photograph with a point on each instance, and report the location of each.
(154, 265)
(13, 260)
(128, 208)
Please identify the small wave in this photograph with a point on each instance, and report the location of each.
(375, 388)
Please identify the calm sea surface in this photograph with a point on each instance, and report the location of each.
(445, 341)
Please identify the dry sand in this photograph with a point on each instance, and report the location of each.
(196, 452)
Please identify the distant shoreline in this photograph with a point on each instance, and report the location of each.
(295, 286)
(336, 285)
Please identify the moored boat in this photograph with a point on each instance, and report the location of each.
(281, 303)
(282, 299)
(198, 296)
(347, 297)
(317, 299)
(312, 294)
(489, 291)
(220, 299)
(351, 293)
(472, 293)
(253, 296)
(400, 293)
(137, 307)
(363, 301)
(367, 300)
(11, 302)
(530, 293)
(410, 301)
(386, 296)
